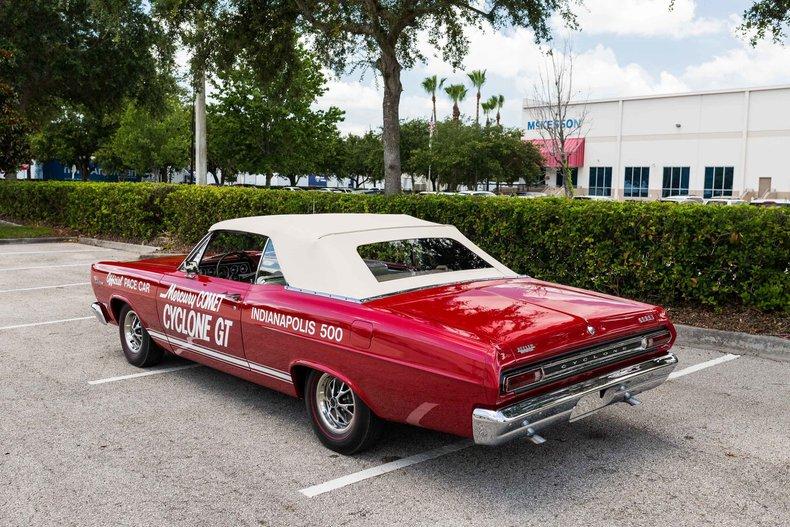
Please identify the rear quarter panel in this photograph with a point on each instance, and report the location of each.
(406, 370)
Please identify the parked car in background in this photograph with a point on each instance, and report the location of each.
(725, 201)
(683, 199)
(771, 202)
(374, 318)
(530, 195)
(485, 193)
(292, 189)
(596, 198)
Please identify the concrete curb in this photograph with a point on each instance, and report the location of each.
(120, 246)
(8, 241)
(773, 348)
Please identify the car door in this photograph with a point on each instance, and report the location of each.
(200, 307)
(270, 326)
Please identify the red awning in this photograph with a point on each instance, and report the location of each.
(574, 146)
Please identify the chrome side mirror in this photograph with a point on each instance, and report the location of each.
(191, 268)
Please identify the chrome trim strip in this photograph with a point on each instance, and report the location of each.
(586, 359)
(527, 417)
(98, 310)
(325, 295)
(260, 368)
(230, 359)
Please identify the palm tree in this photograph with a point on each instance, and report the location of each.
(457, 93)
(478, 78)
(500, 102)
(430, 85)
(487, 107)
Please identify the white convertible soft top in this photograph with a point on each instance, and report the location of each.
(318, 252)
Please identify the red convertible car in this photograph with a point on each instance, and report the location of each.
(374, 318)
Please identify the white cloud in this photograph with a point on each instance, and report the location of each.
(765, 64)
(350, 95)
(598, 73)
(646, 18)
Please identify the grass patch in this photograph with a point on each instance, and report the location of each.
(13, 231)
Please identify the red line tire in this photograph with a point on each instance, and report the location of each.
(137, 345)
(339, 418)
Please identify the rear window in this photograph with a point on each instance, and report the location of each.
(419, 256)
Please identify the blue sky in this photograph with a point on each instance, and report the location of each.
(624, 47)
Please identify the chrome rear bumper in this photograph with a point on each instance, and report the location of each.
(527, 417)
(98, 310)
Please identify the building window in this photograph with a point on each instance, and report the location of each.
(718, 182)
(676, 181)
(600, 181)
(636, 182)
(574, 177)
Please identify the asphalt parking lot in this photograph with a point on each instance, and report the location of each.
(192, 446)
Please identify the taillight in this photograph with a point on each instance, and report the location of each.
(658, 340)
(517, 381)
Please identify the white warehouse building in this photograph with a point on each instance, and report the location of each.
(707, 144)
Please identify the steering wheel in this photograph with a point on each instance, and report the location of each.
(242, 256)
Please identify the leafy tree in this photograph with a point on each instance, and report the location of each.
(72, 137)
(362, 159)
(149, 142)
(216, 33)
(13, 126)
(456, 92)
(430, 85)
(464, 154)
(271, 127)
(92, 54)
(75, 64)
(766, 17)
(414, 135)
(478, 78)
(384, 35)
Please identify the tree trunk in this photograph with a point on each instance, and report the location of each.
(293, 180)
(456, 112)
(269, 176)
(477, 109)
(433, 100)
(497, 117)
(85, 170)
(200, 130)
(390, 72)
(29, 168)
(567, 181)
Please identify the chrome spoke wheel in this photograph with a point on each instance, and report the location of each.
(133, 331)
(336, 404)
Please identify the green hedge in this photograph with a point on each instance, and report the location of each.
(654, 251)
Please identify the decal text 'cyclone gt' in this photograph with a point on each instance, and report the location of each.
(374, 318)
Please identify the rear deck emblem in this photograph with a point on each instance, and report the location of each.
(525, 349)
(590, 330)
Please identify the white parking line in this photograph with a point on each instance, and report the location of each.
(356, 477)
(144, 374)
(702, 365)
(45, 266)
(334, 484)
(52, 252)
(43, 287)
(48, 322)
